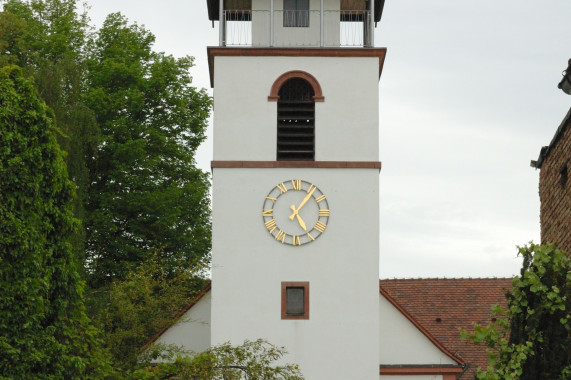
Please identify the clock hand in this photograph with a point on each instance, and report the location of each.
(303, 202)
(299, 220)
(294, 213)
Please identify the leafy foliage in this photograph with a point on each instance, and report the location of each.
(44, 330)
(130, 122)
(136, 308)
(132, 310)
(146, 194)
(532, 338)
(48, 39)
(253, 360)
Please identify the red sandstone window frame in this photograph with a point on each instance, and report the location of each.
(290, 284)
(274, 91)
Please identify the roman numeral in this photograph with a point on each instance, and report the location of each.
(324, 212)
(271, 212)
(272, 199)
(282, 188)
(280, 236)
(296, 184)
(270, 225)
(320, 226)
(311, 189)
(296, 240)
(322, 197)
(309, 236)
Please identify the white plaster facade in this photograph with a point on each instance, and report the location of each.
(192, 330)
(400, 341)
(340, 339)
(346, 123)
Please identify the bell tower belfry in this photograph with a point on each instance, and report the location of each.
(295, 251)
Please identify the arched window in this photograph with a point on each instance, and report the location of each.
(296, 121)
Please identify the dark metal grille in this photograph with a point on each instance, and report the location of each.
(296, 121)
(295, 301)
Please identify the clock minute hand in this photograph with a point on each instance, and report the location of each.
(304, 201)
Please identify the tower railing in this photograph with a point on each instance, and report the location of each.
(285, 28)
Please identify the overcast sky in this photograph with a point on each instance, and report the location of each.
(468, 96)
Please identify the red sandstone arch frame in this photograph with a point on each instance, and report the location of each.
(274, 92)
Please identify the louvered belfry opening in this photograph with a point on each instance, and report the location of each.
(296, 121)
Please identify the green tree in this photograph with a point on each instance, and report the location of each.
(532, 338)
(130, 311)
(146, 194)
(252, 360)
(44, 330)
(130, 122)
(48, 40)
(134, 309)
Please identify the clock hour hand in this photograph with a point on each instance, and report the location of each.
(299, 220)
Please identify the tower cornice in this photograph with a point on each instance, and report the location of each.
(217, 51)
(298, 164)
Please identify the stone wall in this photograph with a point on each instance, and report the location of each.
(555, 189)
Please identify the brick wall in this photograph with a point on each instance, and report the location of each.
(555, 192)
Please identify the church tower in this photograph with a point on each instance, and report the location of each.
(295, 252)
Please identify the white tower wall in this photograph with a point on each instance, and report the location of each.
(346, 123)
(340, 340)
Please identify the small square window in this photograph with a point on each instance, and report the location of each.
(295, 300)
(296, 13)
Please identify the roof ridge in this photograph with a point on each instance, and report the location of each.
(444, 278)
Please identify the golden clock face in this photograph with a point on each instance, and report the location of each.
(295, 212)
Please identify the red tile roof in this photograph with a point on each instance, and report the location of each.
(444, 306)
